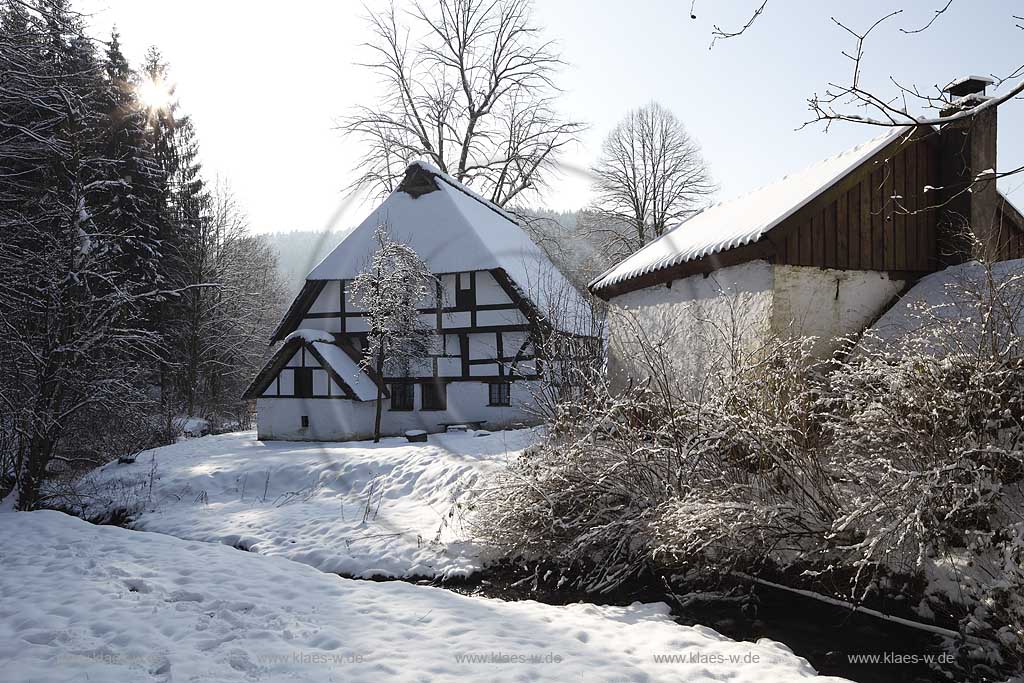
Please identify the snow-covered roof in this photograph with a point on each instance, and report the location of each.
(745, 219)
(310, 336)
(337, 360)
(358, 381)
(454, 230)
(343, 365)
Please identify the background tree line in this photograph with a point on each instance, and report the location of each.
(132, 292)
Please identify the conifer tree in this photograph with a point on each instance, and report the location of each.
(69, 335)
(176, 149)
(114, 262)
(131, 196)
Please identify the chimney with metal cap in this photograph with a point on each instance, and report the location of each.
(966, 158)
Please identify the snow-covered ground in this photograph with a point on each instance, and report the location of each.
(101, 603)
(358, 508)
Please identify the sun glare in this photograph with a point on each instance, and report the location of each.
(154, 94)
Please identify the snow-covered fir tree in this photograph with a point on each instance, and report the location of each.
(69, 309)
(106, 231)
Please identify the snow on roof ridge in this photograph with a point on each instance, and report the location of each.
(1009, 201)
(310, 336)
(462, 187)
(712, 245)
(809, 167)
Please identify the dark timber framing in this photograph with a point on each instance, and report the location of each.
(272, 370)
(535, 327)
(525, 323)
(298, 309)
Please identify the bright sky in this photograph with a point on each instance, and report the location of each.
(264, 83)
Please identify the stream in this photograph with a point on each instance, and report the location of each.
(825, 635)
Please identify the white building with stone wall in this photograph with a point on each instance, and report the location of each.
(820, 253)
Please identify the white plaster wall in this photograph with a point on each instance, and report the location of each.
(695, 325)
(345, 420)
(828, 304)
(329, 299)
(488, 291)
(322, 324)
(321, 380)
(498, 318)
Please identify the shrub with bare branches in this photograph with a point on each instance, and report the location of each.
(903, 454)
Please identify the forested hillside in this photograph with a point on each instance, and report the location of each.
(298, 251)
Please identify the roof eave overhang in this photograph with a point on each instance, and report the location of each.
(759, 250)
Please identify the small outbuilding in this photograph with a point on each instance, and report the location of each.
(823, 252)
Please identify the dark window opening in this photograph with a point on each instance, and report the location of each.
(402, 396)
(435, 396)
(304, 382)
(465, 295)
(500, 394)
(305, 420)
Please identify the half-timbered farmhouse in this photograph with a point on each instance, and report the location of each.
(823, 252)
(498, 297)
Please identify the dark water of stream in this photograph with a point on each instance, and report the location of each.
(825, 635)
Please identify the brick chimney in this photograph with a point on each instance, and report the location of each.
(967, 152)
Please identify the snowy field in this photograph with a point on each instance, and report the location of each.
(101, 603)
(358, 508)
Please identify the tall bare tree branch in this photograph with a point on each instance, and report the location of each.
(469, 85)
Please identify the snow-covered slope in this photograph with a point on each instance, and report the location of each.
(950, 305)
(100, 603)
(358, 508)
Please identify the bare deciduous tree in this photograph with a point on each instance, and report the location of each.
(469, 86)
(651, 176)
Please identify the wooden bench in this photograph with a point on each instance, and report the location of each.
(469, 424)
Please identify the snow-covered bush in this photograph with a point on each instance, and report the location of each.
(624, 480)
(759, 489)
(586, 495)
(924, 447)
(903, 455)
(925, 434)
